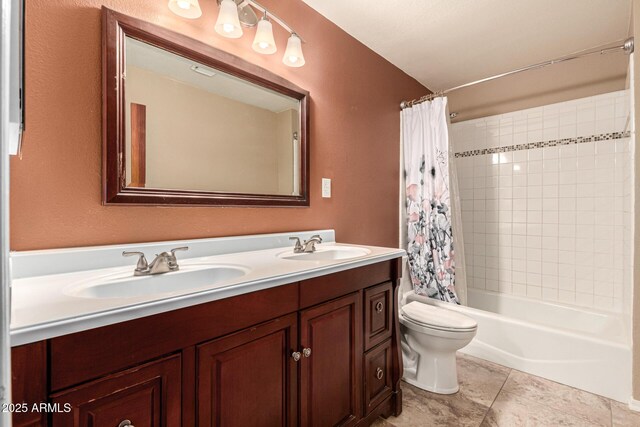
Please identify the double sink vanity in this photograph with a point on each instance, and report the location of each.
(245, 332)
(235, 331)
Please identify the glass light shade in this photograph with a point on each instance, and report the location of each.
(228, 23)
(293, 56)
(186, 8)
(264, 42)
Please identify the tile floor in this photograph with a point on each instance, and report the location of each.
(493, 395)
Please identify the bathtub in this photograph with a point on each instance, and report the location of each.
(581, 348)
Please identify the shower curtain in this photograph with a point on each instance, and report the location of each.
(434, 224)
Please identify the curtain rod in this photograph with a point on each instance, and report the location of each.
(626, 47)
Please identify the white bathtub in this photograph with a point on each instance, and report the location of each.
(581, 348)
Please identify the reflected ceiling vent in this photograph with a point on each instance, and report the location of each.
(204, 71)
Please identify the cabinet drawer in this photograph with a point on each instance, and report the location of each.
(147, 395)
(378, 312)
(377, 375)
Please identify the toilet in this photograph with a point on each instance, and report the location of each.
(431, 335)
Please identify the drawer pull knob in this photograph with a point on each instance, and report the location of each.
(125, 423)
(379, 373)
(296, 356)
(306, 352)
(379, 306)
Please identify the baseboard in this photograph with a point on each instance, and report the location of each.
(634, 405)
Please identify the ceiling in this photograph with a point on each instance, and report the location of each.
(445, 43)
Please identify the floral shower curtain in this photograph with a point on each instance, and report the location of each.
(431, 240)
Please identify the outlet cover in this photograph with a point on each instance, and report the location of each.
(326, 188)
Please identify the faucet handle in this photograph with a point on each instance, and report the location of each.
(173, 262)
(298, 245)
(142, 265)
(181, 248)
(316, 236)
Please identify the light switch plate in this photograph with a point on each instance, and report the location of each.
(326, 188)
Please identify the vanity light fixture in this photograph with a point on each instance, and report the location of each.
(228, 23)
(264, 42)
(189, 9)
(293, 56)
(234, 14)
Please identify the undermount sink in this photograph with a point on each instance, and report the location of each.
(126, 285)
(326, 253)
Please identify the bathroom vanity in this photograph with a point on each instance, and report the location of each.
(292, 341)
(245, 332)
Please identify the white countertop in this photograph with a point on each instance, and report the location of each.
(45, 305)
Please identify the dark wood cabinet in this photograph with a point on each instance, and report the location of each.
(249, 378)
(377, 375)
(330, 373)
(146, 396)
(321, 352)
(378, 314)
(29, 383)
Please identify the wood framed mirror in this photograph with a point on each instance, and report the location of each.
(187, 124)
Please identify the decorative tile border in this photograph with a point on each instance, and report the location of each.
(541, 144)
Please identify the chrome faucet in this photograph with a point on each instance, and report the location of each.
(162, 263)
(307, 246)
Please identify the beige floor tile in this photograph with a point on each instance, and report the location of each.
(480, 381)
(516, 399)
(381, 422)
(510, 410)
(564, 399)
(623, 416)
(423, 409)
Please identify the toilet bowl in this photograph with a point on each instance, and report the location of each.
(430, 338)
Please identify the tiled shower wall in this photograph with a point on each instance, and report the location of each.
(546, 201)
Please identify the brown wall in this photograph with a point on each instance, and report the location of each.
(55, 189)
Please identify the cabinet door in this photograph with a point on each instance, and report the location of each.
(147, 396)
(29, 383)
(249, 378)
(330, 375)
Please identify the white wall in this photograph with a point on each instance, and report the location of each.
(547, 220)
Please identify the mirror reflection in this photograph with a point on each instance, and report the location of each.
(192, 127)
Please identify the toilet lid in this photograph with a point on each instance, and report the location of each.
(440, 318)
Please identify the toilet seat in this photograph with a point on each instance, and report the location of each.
(437, 318)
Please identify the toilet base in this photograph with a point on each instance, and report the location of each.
(436, 372)
(431, 389)
(429, 356)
